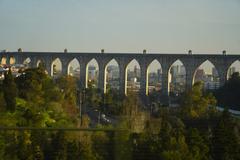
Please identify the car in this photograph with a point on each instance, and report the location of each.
(105, 119)
(103, 115)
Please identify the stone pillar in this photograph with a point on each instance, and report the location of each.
(222, 76)
(18, 59)
(222, 69)
(64, 67)
(165, 84)
(164, 96)
(122, 79)
(8, 60)
(48, 66)
(83, 75)
(189, 77)
(101, 78)
(143, 80)
(33, 63)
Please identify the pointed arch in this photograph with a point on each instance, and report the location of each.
(92, 73)
(56, 67)
(234, 67)
(73, 68)
(3, 60)
(111, 76)
(208, 74)
(12, 60)
(40, 63)
(176, 78)
(132, 76)
(153, 79)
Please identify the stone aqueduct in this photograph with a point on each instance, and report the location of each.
(191, 62)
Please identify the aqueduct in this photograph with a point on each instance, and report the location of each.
(222, 62)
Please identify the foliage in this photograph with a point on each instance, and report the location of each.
(10, 91)
(41, 102)
(196, 103)
(229, 94)
(225, 140)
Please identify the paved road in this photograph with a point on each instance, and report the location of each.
(98, 117)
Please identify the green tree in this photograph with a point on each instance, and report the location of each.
(225, 140)
(68, 86)
(2, 100)
(9, 91)
(196, 103)
(198, 148)
(59, 146)
(229, 94)
(113, 101)
(94, 97)
(30, 84)
(131, 104)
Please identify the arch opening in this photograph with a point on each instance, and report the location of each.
(12, 60)
(3, 60)
(41, 63)
(177, 78)
(154, 77)
(235, 67)
(27, 62)
(111, 76)
(74, 68)
(133, 75)
(208, 75)
(92, 74)
(56, 68)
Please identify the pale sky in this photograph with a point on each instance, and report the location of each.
(163, 26)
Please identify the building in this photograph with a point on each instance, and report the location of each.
(177, 79)
(199, 75)
(92, 73)
(231, 71)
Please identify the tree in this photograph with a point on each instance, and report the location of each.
(68, 86)
(112, 102)
(199, 150)
(196, 103)
(225, 143)
(9, 91)
(30, 84)
(94, 97)
(229, 94)
(131, 104)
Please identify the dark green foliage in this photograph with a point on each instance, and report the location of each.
(229, 94)
(131, 105)
(30, 83)
(59, 146)
(93, 97)
(9, 91)
(225, 140)
(198, 148)
(112, 102)
(68, 87)
(196, 103)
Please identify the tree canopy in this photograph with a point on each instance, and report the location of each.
(229, 94)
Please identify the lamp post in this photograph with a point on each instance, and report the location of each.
(79, 101)
(83, 99)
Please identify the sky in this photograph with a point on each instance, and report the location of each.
(159, 26)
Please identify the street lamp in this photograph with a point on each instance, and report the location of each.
(79, 101)
(83, 99)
